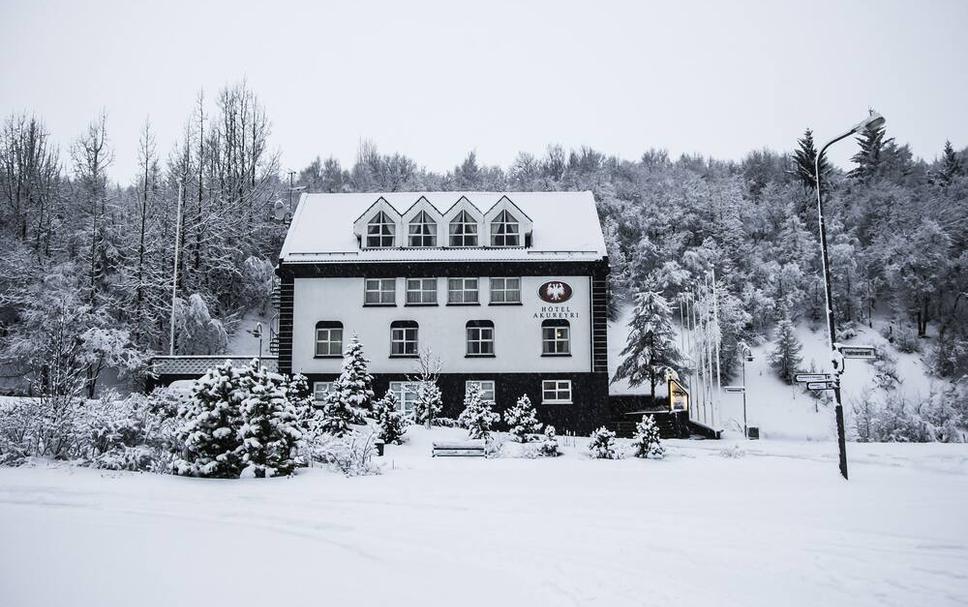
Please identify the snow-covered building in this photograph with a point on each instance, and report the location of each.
(506, 289)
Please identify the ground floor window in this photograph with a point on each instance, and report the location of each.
(486, 386)
(556, 391)
(321, 389)
(406, 393)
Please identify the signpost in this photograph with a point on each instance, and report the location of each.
(822, 385)
(861, 352)
(734, 389)
(802, 378)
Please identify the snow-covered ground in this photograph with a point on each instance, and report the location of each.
(776, 526)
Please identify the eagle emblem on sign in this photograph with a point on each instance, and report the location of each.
(555, 291)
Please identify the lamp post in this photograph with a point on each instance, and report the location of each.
(872, 121)
(745, 357)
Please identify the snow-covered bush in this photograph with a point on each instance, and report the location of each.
(351, 454)
(522, 420)
(270, 423)
(905, 339)
(549, 443)
(390, 422)
(734, 452)
(477, 415)
(889, 418)
(601, 444)
(646, 440)
(428, 403)
(445, 422)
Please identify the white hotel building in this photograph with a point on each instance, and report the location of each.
(507, 289)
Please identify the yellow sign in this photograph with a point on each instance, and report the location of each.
(678, 396)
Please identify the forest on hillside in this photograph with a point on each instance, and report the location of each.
(86, 264)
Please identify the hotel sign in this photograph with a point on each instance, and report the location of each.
(555, 292)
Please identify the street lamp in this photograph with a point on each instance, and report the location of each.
(746, 355)
(874, 120)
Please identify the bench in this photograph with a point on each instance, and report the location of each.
(467, 448)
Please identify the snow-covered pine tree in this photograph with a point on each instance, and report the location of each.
(301, 398)
(549, 443)
(352, 392)
(522, 420)
(392, 426)
(428, 404)
(477, 415)
(209, 427)
(601, 444)
(950, 166)
(646, 440)
(804, 158)
(270, 425)
(785, 357)
(651, 343)
(868, 158)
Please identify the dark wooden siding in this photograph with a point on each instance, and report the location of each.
(285, 322)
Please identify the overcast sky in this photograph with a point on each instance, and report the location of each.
(436, 79)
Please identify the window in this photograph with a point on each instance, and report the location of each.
(505, 231)
(403, 338)
(380, 232)
(380, 291)
(423, 231)
(463, 231)
(329, 338)
(421, 291)
(406, 393)
(480, 338)
(505, 290)
(462, 290)
(556, 391)
(486, 386)
(321, 389)
(555, 338)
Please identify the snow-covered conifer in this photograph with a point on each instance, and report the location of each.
(477, 415)
(270, 427)
(352, 392)
(646, 440)
(522, 420)
(549, 444)
(208, 433)
(390, 421)
(428, 404)
(651, 343)
(601, 444)
(785, 357)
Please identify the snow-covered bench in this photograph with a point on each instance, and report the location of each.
(465, 448)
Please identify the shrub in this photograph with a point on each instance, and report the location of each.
(477, 415)
(351, 454)
(549, 444)
(646, 440)
(602, 444)
(522, 420)
(389, 420)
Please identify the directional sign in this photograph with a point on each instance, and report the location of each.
(801, 378)
(821, 385)
(734, 389)
(864, 352)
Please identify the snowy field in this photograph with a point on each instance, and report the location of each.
(776, 526)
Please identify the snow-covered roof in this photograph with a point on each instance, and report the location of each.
(563, 226)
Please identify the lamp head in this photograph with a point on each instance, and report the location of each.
(279, 210)
(874, 121)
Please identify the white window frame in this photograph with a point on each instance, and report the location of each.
(555, 340)
(488, 386)
(463, 229)
(402, 335)
(422, 231)
(504, 228)
(385, 232)
(462, 290)
(425, 290)
(321, 389)
(483, 335)
(329, 341)
(558, 389)
(406, 393)
(384, 297)
(505, 293)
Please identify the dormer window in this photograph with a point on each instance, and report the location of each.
(463, 231)
(380, 232)
(505, 231)
(423, 231)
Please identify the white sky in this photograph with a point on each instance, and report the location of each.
(436, 79)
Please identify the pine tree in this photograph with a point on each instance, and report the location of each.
(950, 166)
(269, 428)
(785, 358)
(209, 427)
(352, 392)
(646, 441)
(805, 158)
(601, 444)
(522, 420)
(651, 343)
(870, 156)
(392, 426)
(428, 403)
(477, 415)
(549, 444)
